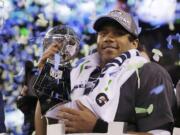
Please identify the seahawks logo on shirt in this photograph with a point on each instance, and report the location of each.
(101, 99)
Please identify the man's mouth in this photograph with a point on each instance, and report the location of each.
(110, 47)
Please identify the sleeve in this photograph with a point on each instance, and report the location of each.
(154, 99)
(2, 125)
(100, 127)
(177, 111)
(178, 93)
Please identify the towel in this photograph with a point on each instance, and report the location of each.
(104, 97)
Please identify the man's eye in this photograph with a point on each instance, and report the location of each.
(120, 33)
(102, 33)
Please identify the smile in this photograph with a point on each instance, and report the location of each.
(109, 47)
(112, 46)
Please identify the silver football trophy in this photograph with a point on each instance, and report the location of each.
(52, 86)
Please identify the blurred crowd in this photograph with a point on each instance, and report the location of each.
(24, 24)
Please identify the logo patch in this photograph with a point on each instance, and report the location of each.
(101, 99)
(57, 74)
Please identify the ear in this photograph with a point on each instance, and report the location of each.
(135, 44)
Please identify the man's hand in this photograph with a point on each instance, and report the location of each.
(24, 91)
(49, 53)
(78, 121)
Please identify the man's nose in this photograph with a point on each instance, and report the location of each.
(108, 37)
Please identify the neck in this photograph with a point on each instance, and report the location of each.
(103, 63)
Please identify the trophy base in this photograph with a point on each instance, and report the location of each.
(56, 129)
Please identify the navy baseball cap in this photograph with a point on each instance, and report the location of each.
(121, 17)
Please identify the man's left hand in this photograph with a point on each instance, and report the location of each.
(78, 121)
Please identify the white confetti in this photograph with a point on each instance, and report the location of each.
(157, 54)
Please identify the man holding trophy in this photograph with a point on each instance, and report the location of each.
(113, 84)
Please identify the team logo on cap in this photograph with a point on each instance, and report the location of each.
(120, 17)
(101, 99)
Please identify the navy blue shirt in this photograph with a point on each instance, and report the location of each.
(2, 125)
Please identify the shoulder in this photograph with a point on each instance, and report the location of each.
(152, 69)
(153, 76)
(178, 93)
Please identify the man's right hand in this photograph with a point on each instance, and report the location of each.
(49, 53)
(77, 121)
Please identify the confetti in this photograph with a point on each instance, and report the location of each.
(1, 4)
(21, 72)
(85, 50)
(157, 54)
(157, 90)
(41, 21)
(140, 110)
(35, 63)
(177, 37)
(171, 26)
(170, 46)
(1, 21)
(170, 38)
(24, 32)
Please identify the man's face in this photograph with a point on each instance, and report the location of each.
(112, 42)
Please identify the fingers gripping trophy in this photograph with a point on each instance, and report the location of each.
(52, 86)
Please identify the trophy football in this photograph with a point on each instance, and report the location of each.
(52, 86)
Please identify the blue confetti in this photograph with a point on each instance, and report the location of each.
(178, 37)
(170, 38)
(157, 90)
(1, 4)
(170, 46)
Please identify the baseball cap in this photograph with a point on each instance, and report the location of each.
(121, 17)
